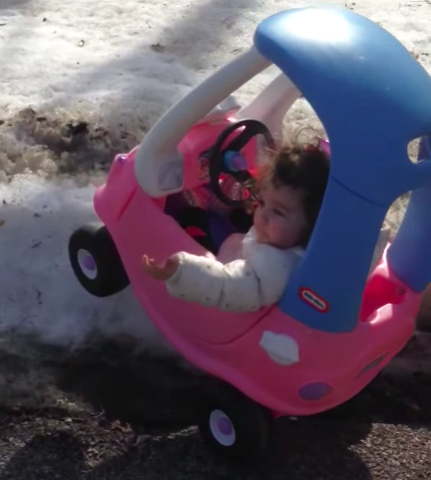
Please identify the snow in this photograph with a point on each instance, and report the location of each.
(39, 294)
(117, 66)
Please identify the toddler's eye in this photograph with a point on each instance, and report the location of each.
(280, 213)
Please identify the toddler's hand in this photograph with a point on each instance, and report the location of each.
(160, 272)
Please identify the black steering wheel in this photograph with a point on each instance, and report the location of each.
(217, 154)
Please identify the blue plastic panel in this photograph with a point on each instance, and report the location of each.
(373, 98)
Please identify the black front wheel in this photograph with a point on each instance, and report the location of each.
(96, 261)
(235, 427)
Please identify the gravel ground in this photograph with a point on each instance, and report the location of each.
(101, 415)
(42, 446)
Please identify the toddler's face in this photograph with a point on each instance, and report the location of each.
(280, 219)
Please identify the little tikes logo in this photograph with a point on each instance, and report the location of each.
(315, 301)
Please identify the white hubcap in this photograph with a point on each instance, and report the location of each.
(87, 264)
(222, 428)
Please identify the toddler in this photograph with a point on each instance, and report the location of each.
(251, 270)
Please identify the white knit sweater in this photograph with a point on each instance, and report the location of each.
(245, 276)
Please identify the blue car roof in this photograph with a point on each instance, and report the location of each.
(371, 95)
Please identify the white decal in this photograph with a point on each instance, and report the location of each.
(280, 348)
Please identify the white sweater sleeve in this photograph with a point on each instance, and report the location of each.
(238, 286)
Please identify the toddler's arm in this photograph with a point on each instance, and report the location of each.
(233, 286)
(238, 286)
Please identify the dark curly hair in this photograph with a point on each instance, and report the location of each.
(305, 168)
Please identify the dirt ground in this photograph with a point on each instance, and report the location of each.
(101, 415)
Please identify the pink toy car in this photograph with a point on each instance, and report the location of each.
(336, 326)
